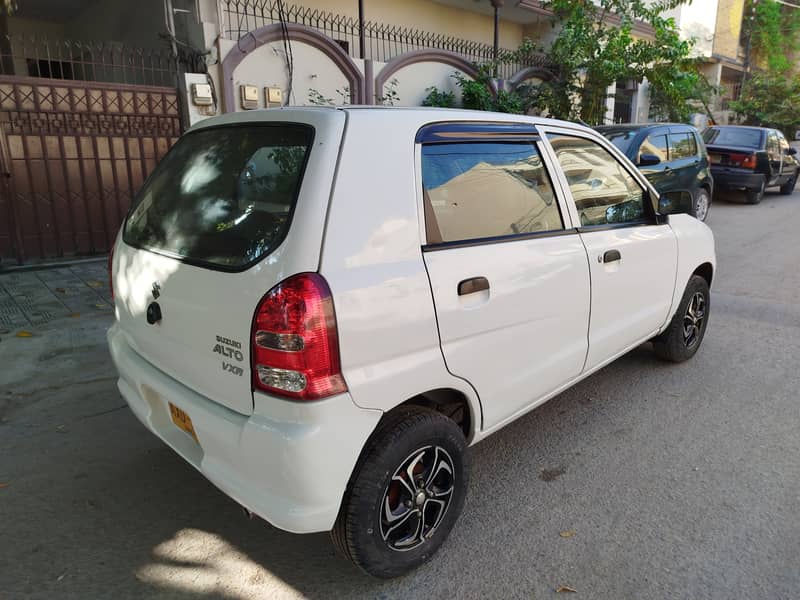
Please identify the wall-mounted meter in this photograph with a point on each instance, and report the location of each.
(249, 96)
(201, 94)
(273, 96)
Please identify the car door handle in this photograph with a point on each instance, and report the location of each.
(611, 256)
(472, 285)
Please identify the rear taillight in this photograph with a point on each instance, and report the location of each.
(747, 161)
(110, 272)
(294, 340)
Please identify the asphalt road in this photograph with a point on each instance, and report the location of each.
(678, 481)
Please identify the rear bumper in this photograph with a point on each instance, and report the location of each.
(288, 462)
(728, 178)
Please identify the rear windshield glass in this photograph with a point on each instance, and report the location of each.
(621, 138)
(733, 136)
(222, 196)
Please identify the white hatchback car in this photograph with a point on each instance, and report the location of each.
(320, 308)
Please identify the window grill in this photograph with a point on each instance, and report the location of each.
(108, 62)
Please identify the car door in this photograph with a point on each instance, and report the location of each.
(632, 258)
(508, 272)
(787, 160)
(684, 160)
(775, 157)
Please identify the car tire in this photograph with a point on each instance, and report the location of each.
(755, 196)
(788, 187)
(682, 338)
(701, 204)
(388, 523)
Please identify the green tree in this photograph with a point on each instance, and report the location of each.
(595, 47)
(770, 100)
(771, 95)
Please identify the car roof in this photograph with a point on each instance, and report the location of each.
(640, 127)
(739, 127)
(392, 116)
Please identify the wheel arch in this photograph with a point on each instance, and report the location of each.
(452, 403)
(706, 271)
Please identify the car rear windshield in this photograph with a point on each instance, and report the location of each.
(621, 138)
(732, 136)
(223, 196)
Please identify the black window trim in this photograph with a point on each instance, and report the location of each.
(289, 219)
(497, 239)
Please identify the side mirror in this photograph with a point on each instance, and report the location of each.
(647, 160)
(791, 151)
(674, 202)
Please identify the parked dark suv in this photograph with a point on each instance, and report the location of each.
(751, 159)
(672, 156)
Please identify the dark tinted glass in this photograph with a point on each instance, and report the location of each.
(655, 145)
(222, 196)
(733, 136)
(682, 145)
(620, 138)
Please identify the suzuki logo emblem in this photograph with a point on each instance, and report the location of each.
(156, 290)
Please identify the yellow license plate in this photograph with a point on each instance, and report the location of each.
(182, 420)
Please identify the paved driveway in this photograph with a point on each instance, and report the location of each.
(677, 481)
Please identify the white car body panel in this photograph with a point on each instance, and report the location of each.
(200, 304)
(695, 247)
(288, 462)
(631, 297)
(388, 338)
(359, 223)
(524, 336)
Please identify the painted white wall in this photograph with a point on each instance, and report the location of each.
(413, 81)
(266, 67)
(697, 21)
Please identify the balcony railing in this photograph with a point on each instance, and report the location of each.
(382, 42)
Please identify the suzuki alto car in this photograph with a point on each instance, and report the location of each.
(320, 309)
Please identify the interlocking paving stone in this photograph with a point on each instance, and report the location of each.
(39, 297)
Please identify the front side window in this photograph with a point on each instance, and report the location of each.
(223, 196)
(682, 145)
(655, 145)
(603, 190)
(477, 190)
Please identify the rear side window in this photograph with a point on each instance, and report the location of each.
(223, 196)
(682, 145)
(655, 145)
(486, 189)
(732, 136)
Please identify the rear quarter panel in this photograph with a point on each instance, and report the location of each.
(372, 260)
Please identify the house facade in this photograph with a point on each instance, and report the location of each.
(93, 93)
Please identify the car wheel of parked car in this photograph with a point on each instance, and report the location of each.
(701, 204)
(405, 494)
(755, 196)
(681, 339)
(788, 187)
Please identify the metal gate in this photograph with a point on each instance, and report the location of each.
(72, 155)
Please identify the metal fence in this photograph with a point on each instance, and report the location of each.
(382, 42)
(36, 56)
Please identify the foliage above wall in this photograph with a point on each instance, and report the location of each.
(775, 34)
(771, 100)
(595, 47)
